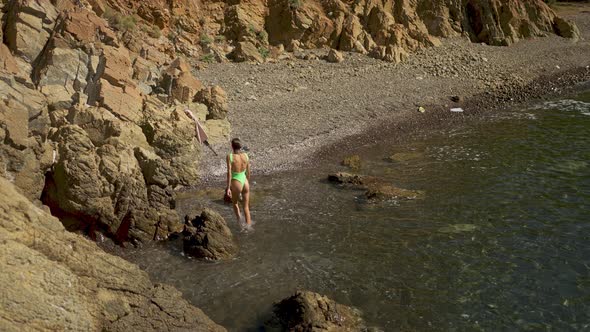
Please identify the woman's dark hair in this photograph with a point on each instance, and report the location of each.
(236, 144)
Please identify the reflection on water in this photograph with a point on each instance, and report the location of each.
(501, 241)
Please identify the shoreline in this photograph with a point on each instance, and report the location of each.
(297, 112)
(404, 126)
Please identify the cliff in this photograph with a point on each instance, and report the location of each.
(56, 280)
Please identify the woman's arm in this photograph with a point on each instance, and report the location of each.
(248, 171)
(228, 176)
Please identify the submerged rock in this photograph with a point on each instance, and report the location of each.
(207, 236)
(383, 192)
(54, 280)
(308, 311)
(352, 179)
(405, 156)
(354, 162)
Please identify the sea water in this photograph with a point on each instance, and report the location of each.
(501, 240)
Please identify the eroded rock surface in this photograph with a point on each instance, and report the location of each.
(307, 311)
(207, 236)
(57, 280)
(86, 124)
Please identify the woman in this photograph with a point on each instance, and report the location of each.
(238, 180)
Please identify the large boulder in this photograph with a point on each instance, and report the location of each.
(24, 124)
(215, 99)
(334, 56)
(171, 134)
(56, 280)
(102, 186)
(311, 312)
(246, 52)
(207, 236)
(179, 83)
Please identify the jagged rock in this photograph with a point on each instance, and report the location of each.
(207, 236)
(215, 99)
(29, 25)
(145, 71)
(23, 114)
(98, 123)
(307, 311)
(246, 52)
(126, 102)
(86, 27)
(63, 77)
(377, 192)
(104, 186)
(7, 62)
(171, 133)
(243, 21)
(334, 56)
(61, 281)
(117, 69)
(155, 170)
(179, 82)
(566, 28)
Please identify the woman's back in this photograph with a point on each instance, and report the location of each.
(239, 162)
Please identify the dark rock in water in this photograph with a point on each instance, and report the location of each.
(352, 179)
(354, 162)
(456, 99)
(382, 192)
(308, 311)
(207, 236)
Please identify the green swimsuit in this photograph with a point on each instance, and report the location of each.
(239, 176)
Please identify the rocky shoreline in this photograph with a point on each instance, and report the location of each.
(98, 115)
(268, 101)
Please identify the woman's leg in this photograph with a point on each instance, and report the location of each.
(236, 188)
(246, 196)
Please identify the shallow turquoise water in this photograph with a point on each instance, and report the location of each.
(501, 241)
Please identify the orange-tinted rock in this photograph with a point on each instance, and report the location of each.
(126, 103)
(7, 61)
(215, 99)
(179, 82)
(118, 69)
(86, 27)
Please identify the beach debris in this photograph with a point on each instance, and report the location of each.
(421, 109)
(457, 110)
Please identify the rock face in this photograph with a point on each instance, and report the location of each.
(82, 122)
(307, 311)
(389, 30)
(61, 281)
(207, 236)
